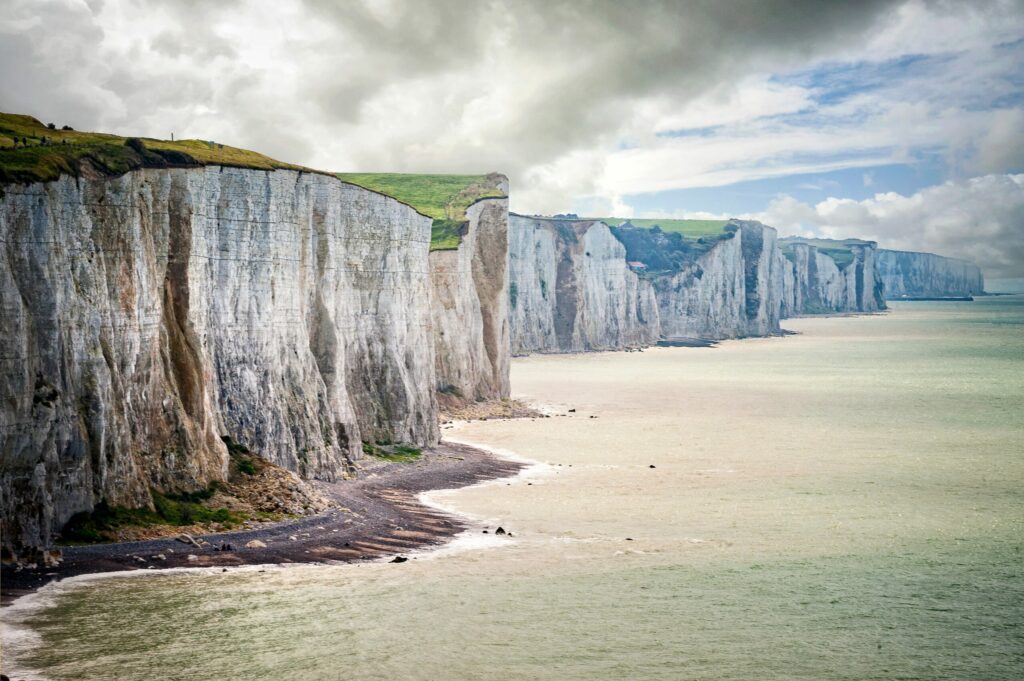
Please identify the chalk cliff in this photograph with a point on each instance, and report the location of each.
(470, 306)
(570, 289)
(823, 285)
(147, 315)
(910, 274)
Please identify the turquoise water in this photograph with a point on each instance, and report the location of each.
(842, 504)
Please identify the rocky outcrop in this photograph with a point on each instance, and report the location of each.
(147, 315)
(570, 289)
(469, 291)
(823, 285)
(906, 274)
(741, 287)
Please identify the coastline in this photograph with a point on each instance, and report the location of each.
(379, 516)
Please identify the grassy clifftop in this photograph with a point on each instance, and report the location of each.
(33, 152)
(444, 198)
(693, 229)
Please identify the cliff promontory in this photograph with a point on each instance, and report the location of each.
(153, 307)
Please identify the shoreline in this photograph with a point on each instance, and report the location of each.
(378, 516)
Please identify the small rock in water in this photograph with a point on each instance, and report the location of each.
(629, 539)
(485, 532)
(572, 411)
(652, 466)
(255, 544)
(592, 416)
(224, 569)
(500, 530)
(399, 559)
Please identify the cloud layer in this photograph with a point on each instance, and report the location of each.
(981, 219)
(576, 100)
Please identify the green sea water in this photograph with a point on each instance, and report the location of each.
(846, 503)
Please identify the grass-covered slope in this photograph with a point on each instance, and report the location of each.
(693, 229)
(665, 252)
(444, 198)
(33, 152)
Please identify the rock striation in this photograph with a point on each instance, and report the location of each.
(469, 291)
(146, 316)
(906, 274)
(572, 290)
(824, 286)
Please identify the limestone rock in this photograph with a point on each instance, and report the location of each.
(910, 274)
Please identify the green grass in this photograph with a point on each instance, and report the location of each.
(390, 452)
(692, 229)
(103, 522)
(444, 198)
(32, 152)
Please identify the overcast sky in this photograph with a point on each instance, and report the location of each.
(896, 121)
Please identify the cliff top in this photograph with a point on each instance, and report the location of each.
(827, 243)
(837, 249)
(33, 152)
(693, 229)
(444, 198)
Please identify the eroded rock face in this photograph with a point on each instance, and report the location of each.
(823, 287)
(905, 273)
(470, 307)
(571, 290)
(148, 315)
(741, 287)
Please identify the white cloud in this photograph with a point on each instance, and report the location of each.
(981, 219)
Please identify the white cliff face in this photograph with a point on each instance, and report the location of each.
(470, 306)
(905, 273)
(571, 290)
(146, 316)
(707, 298)
(741, 287)
(822, 286)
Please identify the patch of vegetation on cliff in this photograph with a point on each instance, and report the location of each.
(692, 229)
(391, 452)
(665, 252)
(444, 198)
(33, 152)
(256, 491)
(104, 522)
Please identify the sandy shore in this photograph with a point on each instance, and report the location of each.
(380, 516)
